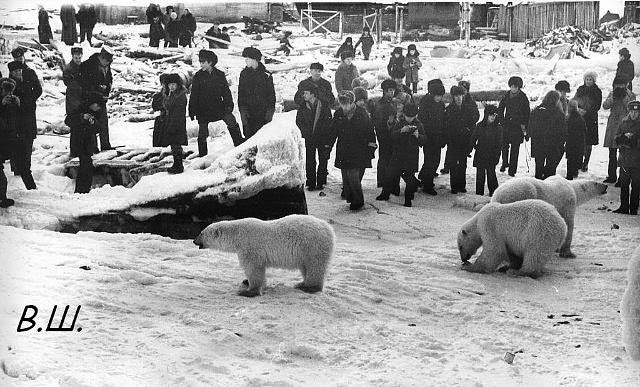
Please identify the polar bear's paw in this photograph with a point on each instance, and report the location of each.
(308, 289)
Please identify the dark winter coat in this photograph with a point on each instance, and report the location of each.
(28, 90)
(172, 32)
(471, 104)
(152, 12)
(576, 132)
(158, 123)
(629, 156)
(44, 28)
(92, 76)
(384, 108)
(315, 124)
(405, 146)
(548, 132)
(487, 142)
(590, 99)
(71, 78)
(394, 68)
(345, 47)
(156, 32)
(68, 19)
(83, 132)
(175, 121)
(87, 17)
(366, 41)
(460, 124)
(325, 92)
(345, 74)
(210, 96)
(353, 136)
(432, 115)
(513, 111)
(412, 71)
(255, 90)
(189, 22)
(8, 127)
(619, 111)
(625, 70)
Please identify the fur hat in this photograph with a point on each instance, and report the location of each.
(388, 84)
(563, 86)
(14, 65)
(516, 81)
(310, 87)
(397, 50)
(208, 56)
(346, 54)
(252, 52)
(173, 78)
(316, 66)
(7, 84)
(365, 28)
(107, 53)
(174, 16)
(18, 51)
(412, 47)
(402, 98)
(410, 110)
(76, 50)
(591, 74)
(456, 90)
(489, 110)
(346, 97)
(436, 89)
(360, 93)
(624, 51)
(465, 84)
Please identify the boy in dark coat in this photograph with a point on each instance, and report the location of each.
(211, 101)
(356, 142)
(256, 94)
(407, 135)
(95, 76)
(367, 42)
(323, 86)
(71, 78)
(576, 131)
(625, 68)
(285, 45)
(346, 46)
(513, 113)
(432, 115)
(589, 97)
(548, 132)
(394, 68)
(174, 103)
(9, 106)
(384, 111)
(87, 18)
(470, 105)
(314, 121)
(82, 142)
(460, 124)
(628, 142)
(346, 72)
(487, 142)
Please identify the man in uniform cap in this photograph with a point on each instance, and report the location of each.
(256, 94)
(325, 93)
(95, 76)
(628, 142)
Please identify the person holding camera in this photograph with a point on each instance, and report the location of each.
(411, 67)
(628, 142)
(617, 101)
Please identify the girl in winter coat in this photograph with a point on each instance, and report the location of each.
(589, 97)
(617, 101)
(346, 46)
(175, 122)
(487, 141)
(411, 67)
(367, 42)
(394, 68)
(346, 72)
(576, 131)
(548, 132)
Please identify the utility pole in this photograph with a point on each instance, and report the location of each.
(466, 21)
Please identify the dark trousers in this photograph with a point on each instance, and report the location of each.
(447, 159)
(395, 173)
(232, 127)
(430, 166)
(587, 156)
(458, 172)
(613, 164)
(546, 166)
(285, 49)
(574, 162)
(492, 180)
(384, 160)
(629, 177)
(3, 181)
(252, 121)
(510, 157)
(352, 185)
(85, 31)
(103, 127)
(414, 86)
(366, 53)
(85, 174)
(320, 177)
(23, 161)
(154, 42)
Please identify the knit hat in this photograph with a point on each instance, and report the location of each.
(466, 85)
(360, 93)
(107, 53)
(316, 66)
(388, 84)
(591, 74)
(18, 51)
(76, 50)
(563, 86)
(489, 110)
(346, 54)
(410, 110)
(397, 50)
(174, 15)
(173, 78)
(208, 56)
(516, 81)
(456, 90)
(436, 89)
(14, 65)
(252, 52)
(346, 97)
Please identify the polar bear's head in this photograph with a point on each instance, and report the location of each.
(468, 240)
(217, 236)
(587, 189)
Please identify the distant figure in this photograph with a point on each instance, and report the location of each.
(172, 31)
(71, 78)
(346, 46)
(411, 67)
(625, 68)
(285, 45)
(166, 17)
(68, 19)
(224, 35)
(394, 68)
(367, 43)
(214, 32)
(156, 32)
(188, 28)
(87, 18)
(346, 72)
(44, 29)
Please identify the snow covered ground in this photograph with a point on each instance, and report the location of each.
(396, 310)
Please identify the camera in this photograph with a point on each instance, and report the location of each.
(623, 140)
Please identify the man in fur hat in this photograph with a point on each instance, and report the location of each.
(256, 94)
(325, 93)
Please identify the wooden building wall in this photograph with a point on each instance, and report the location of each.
(631, 12)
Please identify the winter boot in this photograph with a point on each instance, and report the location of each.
(177, 166)
(27, 179)
(384, 195)
(407, 202)
(236, 136)
(202, 148)
(622, 210)
(4, 203)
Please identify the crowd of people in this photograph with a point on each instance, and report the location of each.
(86, 17)
(166, 26)
(397, 124)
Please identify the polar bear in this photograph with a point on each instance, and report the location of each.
(630, 308)
(299, 242)
(563, 194)
(524, 234)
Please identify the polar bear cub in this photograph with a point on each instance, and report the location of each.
(300, 242)
(563, 194)
(525, 234)
(630, 308)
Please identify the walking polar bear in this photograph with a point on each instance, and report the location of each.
(563, 194)
(630, 308)
(299, 242)
(525, 234)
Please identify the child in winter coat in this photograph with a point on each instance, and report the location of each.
(285, 45)
(576, 131)
(625, 68)
(394, 68)
(174, 104)
(411, 67)
(159, 112)
(367, 43)
(346, 72)
(346, 46)
(487, 141)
